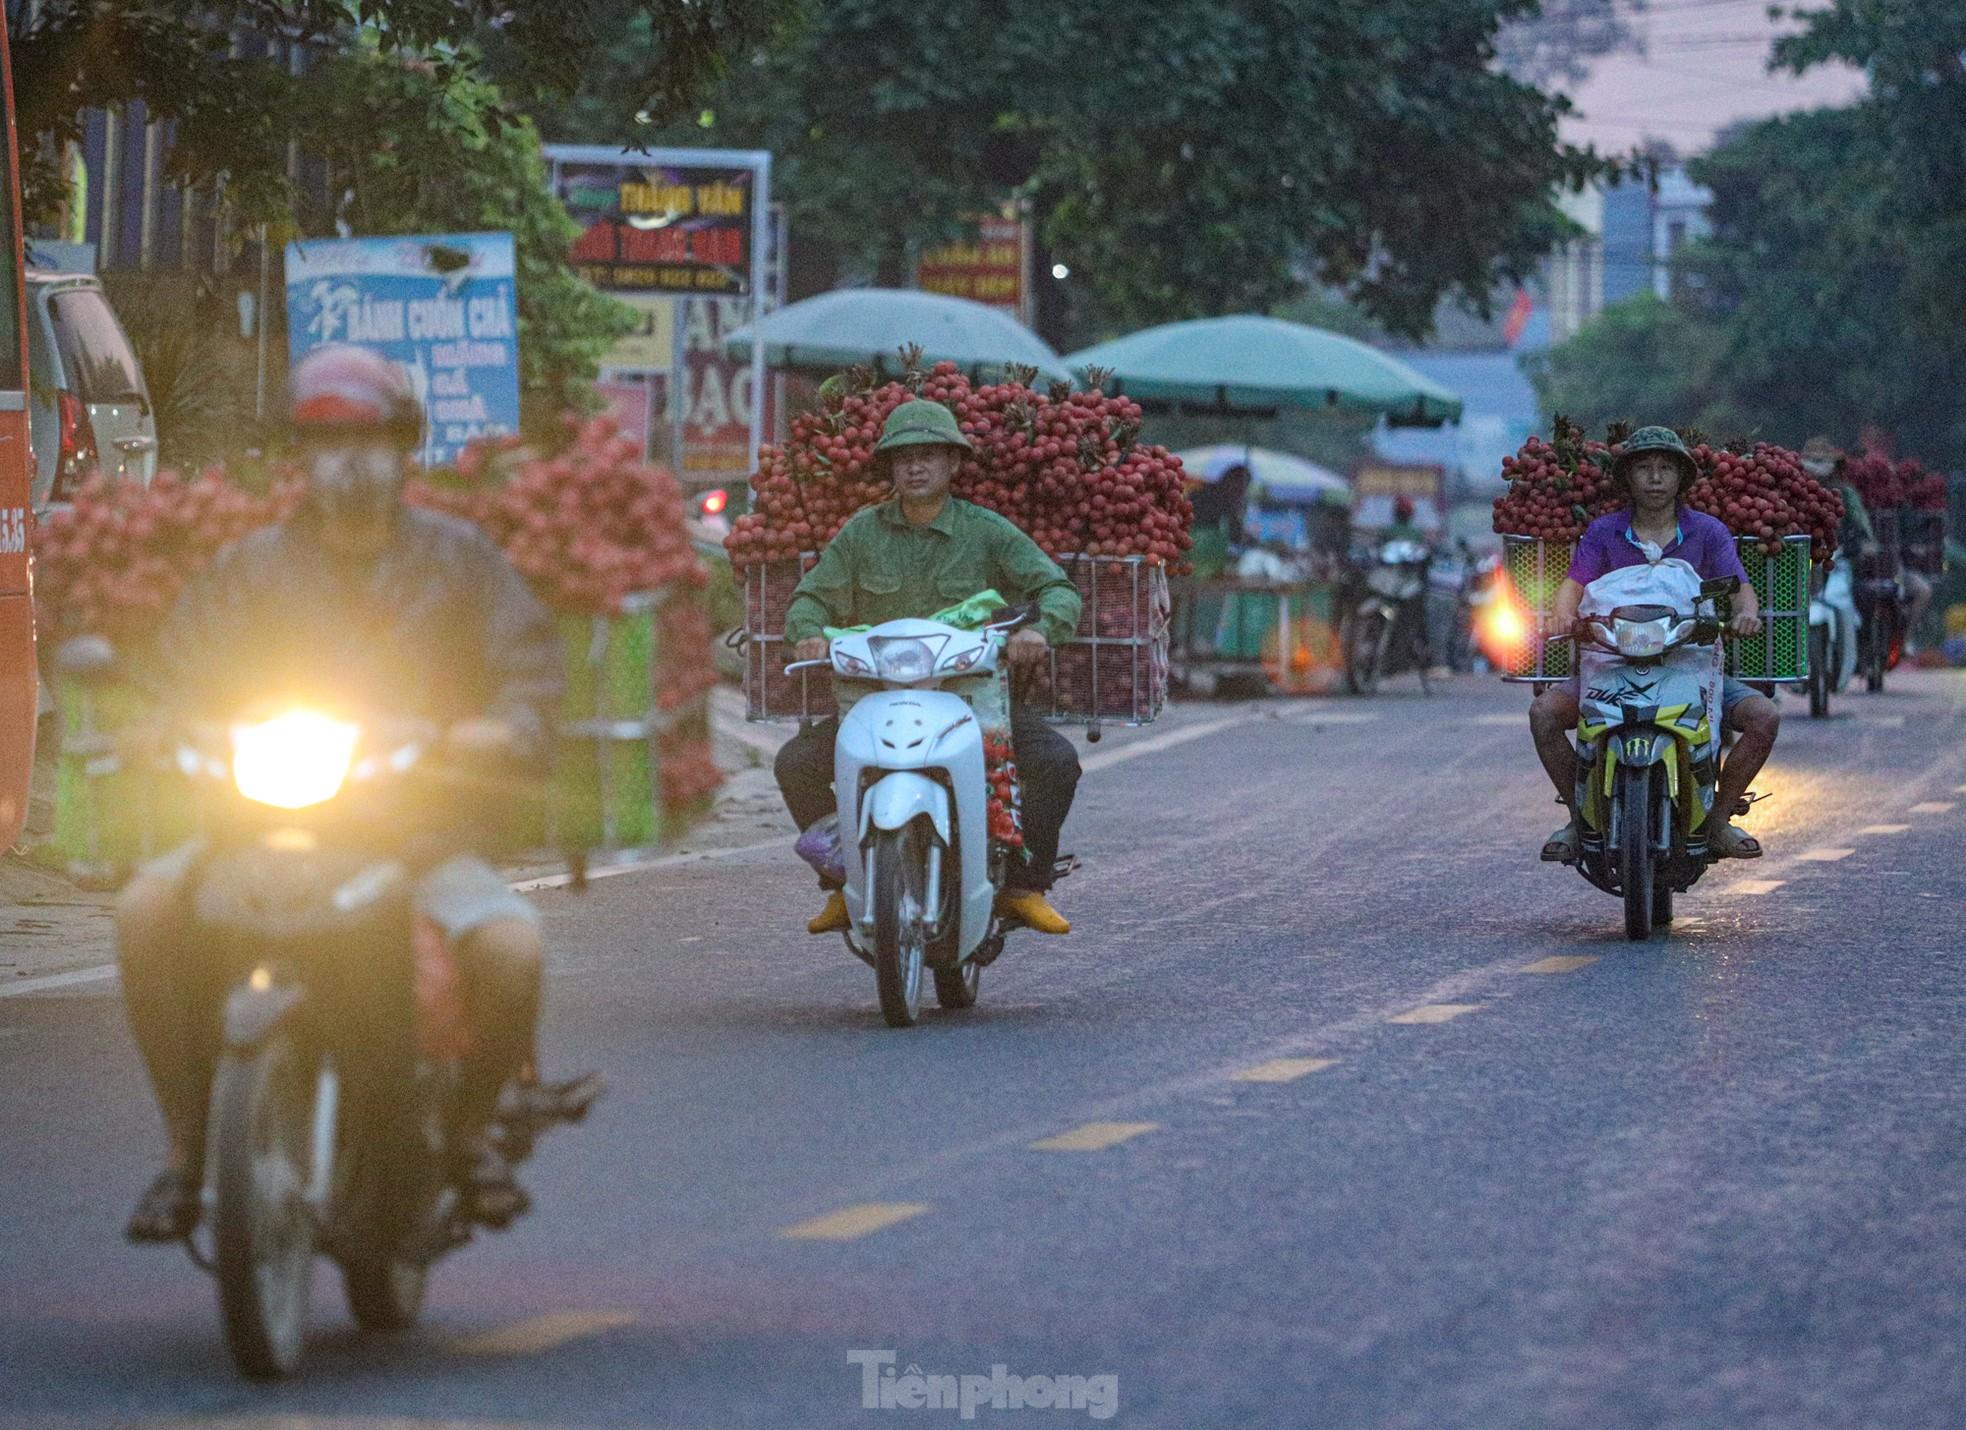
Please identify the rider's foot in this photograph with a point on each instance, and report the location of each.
(1032, 909)
(491, 1195)
(167, 1211)
(832, 918)
(1728, 842)
(1562, 846)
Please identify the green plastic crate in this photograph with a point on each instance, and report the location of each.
(1536, 569)
(1780, 654)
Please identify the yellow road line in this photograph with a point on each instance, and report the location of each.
(1884, 829)
(1753, 886)
(852, 1223)
(1823, 856)
(1560, 963)
(1434, 1013)
(1093, 1137)
(1282, 1069)
(1933, 806)
(541, 1333)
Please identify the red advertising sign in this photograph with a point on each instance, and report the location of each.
(660, 228)
(716, 394)
(992, 269)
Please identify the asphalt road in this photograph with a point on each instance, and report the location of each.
(1364, 1117)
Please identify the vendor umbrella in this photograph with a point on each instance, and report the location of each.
(1281, 478)
(870, 326)
(1265, 364)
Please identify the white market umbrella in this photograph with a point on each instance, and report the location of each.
(870, 326)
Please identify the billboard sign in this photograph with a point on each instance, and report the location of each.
(993, 269)
(677, 228)
(444, 307)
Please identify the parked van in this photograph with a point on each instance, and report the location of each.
(90, 407)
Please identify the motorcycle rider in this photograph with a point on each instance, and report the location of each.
(361, 597)
(909, 556)
(1654, 467)
(1822, 460)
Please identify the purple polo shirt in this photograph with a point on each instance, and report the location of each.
(1703, 542)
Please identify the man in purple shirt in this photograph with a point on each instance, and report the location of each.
(1655, 468)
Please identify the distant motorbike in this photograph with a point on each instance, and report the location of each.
(1386, 628)
(923, 854)
(1647, 752)
(343, 1027)
(1880, 614)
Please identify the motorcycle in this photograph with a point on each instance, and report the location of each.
(1647, 752)
(1388, 618)
(922, 862)
(1880, 614)
(343, 1028)
(1833, 636)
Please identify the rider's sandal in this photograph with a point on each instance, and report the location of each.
(1727, 842)
(1561, 847)
(491, 1195)
(167, 1211)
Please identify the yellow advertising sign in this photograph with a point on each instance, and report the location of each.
(652, 346)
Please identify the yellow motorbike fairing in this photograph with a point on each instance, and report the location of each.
(1691, 730)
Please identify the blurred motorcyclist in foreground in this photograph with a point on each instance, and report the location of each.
(363, 602)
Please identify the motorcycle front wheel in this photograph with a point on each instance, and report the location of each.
(260, 1134)
(900, 921)
(1364, 652)
(1635, 852)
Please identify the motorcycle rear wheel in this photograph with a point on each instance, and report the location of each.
(956, 988)
(1819, 672)
(1635, 852)
(263, 1232)
(900, 922)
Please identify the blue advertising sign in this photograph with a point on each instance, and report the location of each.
(444, 307)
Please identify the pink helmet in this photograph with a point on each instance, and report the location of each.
(342, 388)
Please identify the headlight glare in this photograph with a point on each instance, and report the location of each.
(293, 760)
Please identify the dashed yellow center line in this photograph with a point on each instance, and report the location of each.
(1434, 1013)
(1560, 963)
(541, 1333)
(1823, 856)
(1933, 806)
(852, 1223)
(1093, 1137)
(1282, 1069)
(1753, 886)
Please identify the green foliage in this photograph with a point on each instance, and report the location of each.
(412, 150)
(1199, 159)
(236, 113)
(1641, 361)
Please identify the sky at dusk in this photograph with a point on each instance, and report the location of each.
(1704, 66)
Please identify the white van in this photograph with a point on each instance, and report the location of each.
(90, 406)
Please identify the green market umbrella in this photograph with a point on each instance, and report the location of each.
(870, 326)
(1282, 477)
(1258, 363)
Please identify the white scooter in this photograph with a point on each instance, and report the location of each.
(1833, 627)
(909, 769)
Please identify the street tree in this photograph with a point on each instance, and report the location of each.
(205, 65)
(1211, 158)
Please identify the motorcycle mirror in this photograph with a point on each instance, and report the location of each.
(87, 660)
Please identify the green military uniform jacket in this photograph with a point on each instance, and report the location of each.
(883, 568)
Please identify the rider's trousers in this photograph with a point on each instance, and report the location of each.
(1047, 769)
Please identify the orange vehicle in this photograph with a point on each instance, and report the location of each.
(18, 689)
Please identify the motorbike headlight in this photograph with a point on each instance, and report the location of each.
(293, 760)
(963, 660)
(1641, 638)
(851, 664)
(902, 659)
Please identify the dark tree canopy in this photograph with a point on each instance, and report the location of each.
(1214, 158)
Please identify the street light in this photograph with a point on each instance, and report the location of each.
(1060, 272)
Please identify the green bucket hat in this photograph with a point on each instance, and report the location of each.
(921, 423)
(1655, 439)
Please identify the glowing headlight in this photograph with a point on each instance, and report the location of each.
(902, 659)
(1641, 638)
(294, 760)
